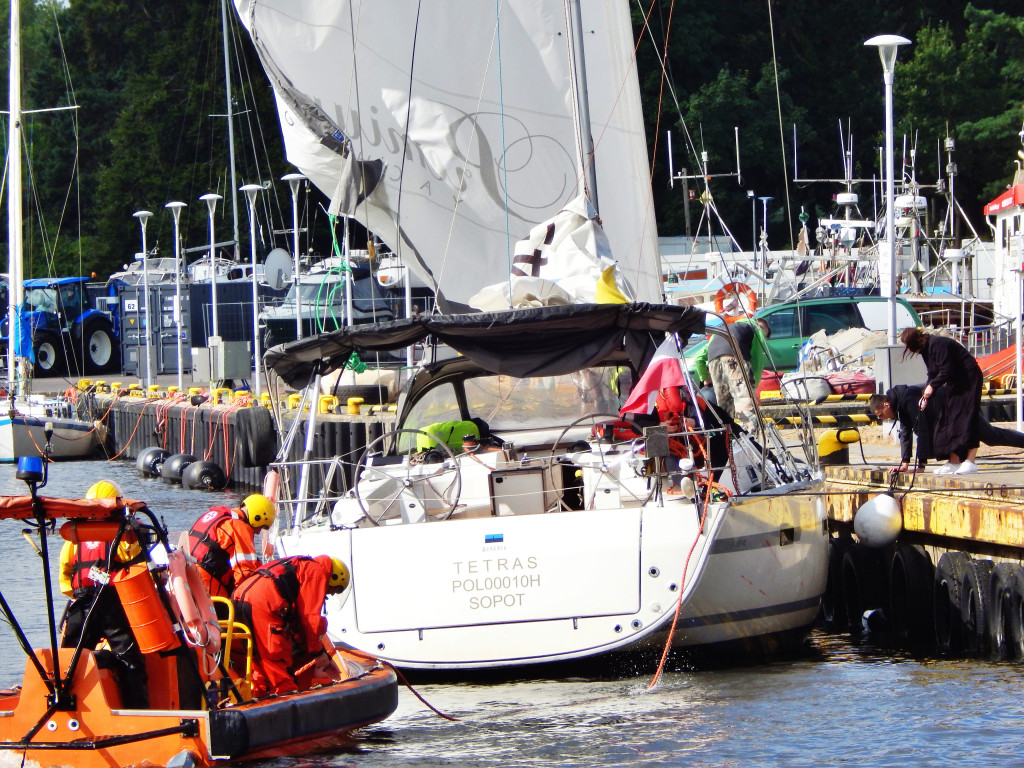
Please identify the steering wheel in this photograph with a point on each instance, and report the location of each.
(393, 482)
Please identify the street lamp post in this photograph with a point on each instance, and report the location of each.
(752, 195)
(764, 232)
(293, 180)
(143, 217)
(887, 47)
(175, 209)
(251, 190)
(214, 340)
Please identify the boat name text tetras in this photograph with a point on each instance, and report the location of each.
(494, 577)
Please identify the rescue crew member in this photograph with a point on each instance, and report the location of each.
(718, 365)
(95, 612)
(282, 603)
(223, 543)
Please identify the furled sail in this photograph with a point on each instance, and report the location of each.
(446, 127)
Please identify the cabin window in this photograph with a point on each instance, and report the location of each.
(439, 404)
(783, 323)
(508, 403)
(832, 318)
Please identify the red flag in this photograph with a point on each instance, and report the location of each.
(664, 370)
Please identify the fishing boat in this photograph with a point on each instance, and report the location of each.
(27, 423)
(69, 710)
(557, 531)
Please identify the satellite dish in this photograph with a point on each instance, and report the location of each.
(277, 268)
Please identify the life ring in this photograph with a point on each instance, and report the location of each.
(193, 608)
(743, 305)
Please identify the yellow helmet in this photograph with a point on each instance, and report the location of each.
(339, 574)
(259, 511)
(104, 489)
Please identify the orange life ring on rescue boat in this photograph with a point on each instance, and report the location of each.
(744, 305)
(193, 607)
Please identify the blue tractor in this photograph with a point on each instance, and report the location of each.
(68, 335)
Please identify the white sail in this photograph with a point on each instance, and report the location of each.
(468, 115)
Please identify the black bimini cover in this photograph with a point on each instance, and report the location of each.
(539, 341)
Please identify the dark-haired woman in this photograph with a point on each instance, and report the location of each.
(953, 372)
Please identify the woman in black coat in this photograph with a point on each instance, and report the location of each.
(954, 370)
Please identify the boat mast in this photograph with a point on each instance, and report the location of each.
(231, 130)
(16, 288)
(581, 102)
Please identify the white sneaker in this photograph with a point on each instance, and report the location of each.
(967, 468)
(946, 469)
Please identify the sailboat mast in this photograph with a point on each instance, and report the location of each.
(581, 102)
(231, 130)
(16, 288)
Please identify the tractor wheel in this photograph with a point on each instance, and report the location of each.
(49, 355)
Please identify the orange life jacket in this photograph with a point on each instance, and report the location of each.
(207, 551)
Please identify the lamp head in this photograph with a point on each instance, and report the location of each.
(293, 180)
(175, 208)
(251, 190)
(211, 201)
(887, 46)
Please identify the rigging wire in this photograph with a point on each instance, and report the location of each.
(782, 135)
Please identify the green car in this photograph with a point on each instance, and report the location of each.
(793, 322)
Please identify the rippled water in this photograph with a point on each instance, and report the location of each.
(841, 704)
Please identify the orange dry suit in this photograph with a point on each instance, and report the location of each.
(285, 600)
(702, 443)
(223, 544)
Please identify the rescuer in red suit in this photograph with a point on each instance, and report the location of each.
(283, 604)
(222, 542)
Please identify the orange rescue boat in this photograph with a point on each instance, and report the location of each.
(201, 712)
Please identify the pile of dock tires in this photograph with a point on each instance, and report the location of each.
(908, 597)
(183, 468)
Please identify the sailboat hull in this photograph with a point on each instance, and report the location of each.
(515, 590)
(22, 435)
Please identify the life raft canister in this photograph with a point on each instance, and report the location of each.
(735, 300)
(149, 621)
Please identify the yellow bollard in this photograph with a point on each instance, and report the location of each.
(220, 395)
(154, 390)
(115, 386)
(353, 405)
(833, 445)
(326, 404)
(172, 390)
(83, 384)
(294, 400)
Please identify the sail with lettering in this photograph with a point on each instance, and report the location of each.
(448, 128)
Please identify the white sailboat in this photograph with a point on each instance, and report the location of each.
(27, 423)
(551, 533)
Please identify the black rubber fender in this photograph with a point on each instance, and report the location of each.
(911, 582)
(833, 605)
(975, 594)
(1015, 616)
(1004, 608)
(260, 444)
(150, 460)
(203, 476)
(174, 465)
(946, 601)
(863, 584)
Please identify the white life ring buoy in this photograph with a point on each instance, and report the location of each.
(193, 608)
(735, 300)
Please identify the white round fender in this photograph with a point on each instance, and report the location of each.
(878, 521)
